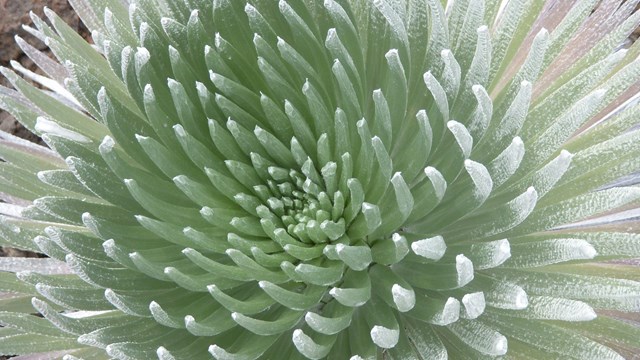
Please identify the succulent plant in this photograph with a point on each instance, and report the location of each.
(347, 179)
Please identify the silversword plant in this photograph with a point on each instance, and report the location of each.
(340, 179)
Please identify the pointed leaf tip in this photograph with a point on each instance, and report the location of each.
(431, 248)
(383, 337)
(405, 299)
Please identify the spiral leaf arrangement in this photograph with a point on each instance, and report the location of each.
(346, 179)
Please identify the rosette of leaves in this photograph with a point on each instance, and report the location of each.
(345, 179)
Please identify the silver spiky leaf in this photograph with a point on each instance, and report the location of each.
(347, 179)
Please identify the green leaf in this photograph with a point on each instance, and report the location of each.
(16, 343)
